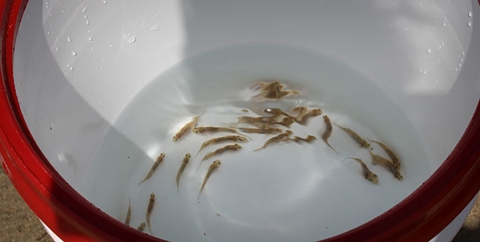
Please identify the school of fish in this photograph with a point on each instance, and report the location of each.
(276, 123)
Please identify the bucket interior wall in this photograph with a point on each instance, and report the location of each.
(78, 64)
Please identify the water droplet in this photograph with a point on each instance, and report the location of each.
(154, 27)
(85, 16)
(429, 51)
(470, 24)
(87, 22)
(461, 60)
(101, 67)
(84, 10)
(48, 33)
(405, 29)
(68, 39)
(444, 24)
(456, 68)
(56, 49)
(460, 65)
(62, 11)
(104, 1)
(91, 48)
(90, 39)
(71, 68)
(132, 39)
(443, 44)
(111, 45)
(156, 15)
(434, 28)
(74, 53)
(74, 79)
(470, 14)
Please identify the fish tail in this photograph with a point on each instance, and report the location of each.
(178, 181)
(201, 148)
(246, 136)
(148, 224)
(332, 148)
(347, 158)
(259, 148)
(141, 182)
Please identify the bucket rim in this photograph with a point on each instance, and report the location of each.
(419, 217)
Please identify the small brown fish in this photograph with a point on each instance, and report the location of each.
(149, 210)
(272, 90)
(276, 112)
(286, 93)
(154, 167)
(230, 138)
(234, 147)
(248, 119)
(390, 153)
(376, 159)
(211, 169)
(210, 129)
(185, 161)
(312, 113)
(187, 128)
(129, 213)
(260, 125)
(278, 138)
(363, 143)
(245, 110)
(261, 130)
(369, 175)
(308, 139)
(328, 131)
(142, 227)
(286, 121)
(301, 110)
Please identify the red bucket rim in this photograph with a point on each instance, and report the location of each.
(420, 216)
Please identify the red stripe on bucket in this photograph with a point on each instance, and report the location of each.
(419, 217)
